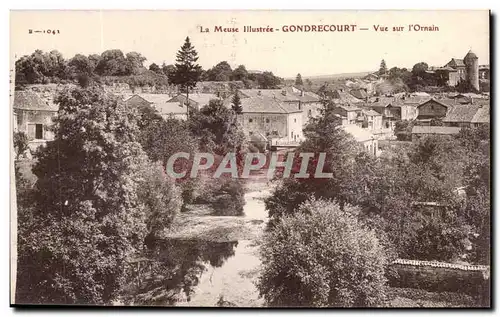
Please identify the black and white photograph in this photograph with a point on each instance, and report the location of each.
(250, 158)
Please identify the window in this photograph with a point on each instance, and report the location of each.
(294, 120)
(292, 134)
(267, 133)
(309, 113)
(267, 120)
(39, 131)
(250, 120)
(35, 131)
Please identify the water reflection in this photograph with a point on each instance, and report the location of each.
(172, 269)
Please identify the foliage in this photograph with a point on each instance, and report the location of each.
(20, 143)
(322, 256)
(155, 68)
(236, 103)
(383, 68)
(228, 198)
(41, 68)
(161, 199)
(220, 72)
(403, 129)
(216, 128)
(187, 73)
(464, 86)
(86, 220)
(298, 80)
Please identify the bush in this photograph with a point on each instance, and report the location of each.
(229, 199)
(322, 256)
(20, 143)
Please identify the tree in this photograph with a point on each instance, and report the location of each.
(419, 69)
(240, 73)
(309, 83)
(215, 126)
(168, 70)
(135, 62)
(236, 103)
(220, 72)
(113, 63)
(87, 219)
(267, 80)
(383, 68)
(187, 73)
(155, 68)
(298, 80)
(322, 256)
(20, 143)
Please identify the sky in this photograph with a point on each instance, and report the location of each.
(158, 35)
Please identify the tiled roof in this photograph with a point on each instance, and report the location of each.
(29, 100)
(345, 97)
(461, 113)
(456, 62)
(162, 103)
(442, 102)
(371, 112)
(201, 98)
(286, 94)
(434, 130)
(463, 267)
(264, 104)
(482, 115)
(170, 107)
(348, 107)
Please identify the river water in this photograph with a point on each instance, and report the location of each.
(198, 273)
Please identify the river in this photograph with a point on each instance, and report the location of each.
(188, 269)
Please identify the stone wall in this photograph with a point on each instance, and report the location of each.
(440, 277)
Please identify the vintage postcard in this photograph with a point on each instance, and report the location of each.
(250, 158)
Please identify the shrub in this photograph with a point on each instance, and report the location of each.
(322, 256)
(20, 143)
(229, 199)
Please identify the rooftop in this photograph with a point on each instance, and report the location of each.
(29, 100)
(435, 130)
(461, 113)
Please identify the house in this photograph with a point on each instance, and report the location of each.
(390, 111)
(364, 137)
(34, 117)
(467, 115)
(431, 109)
(372, 119)
(269, 119)
(421, 131)
(308, 103)
(196, 100)
(160, 102)
(350, 114)
(457, 71)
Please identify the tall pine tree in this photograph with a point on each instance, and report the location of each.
(236, 106)
(187, 73)
(298, 80)
(383, 68)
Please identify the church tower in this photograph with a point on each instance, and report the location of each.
(472, 69)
